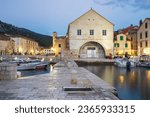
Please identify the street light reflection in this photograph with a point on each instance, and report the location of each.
(121, 77)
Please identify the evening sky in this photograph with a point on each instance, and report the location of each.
(46, 16)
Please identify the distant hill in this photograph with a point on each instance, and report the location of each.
(43, 40)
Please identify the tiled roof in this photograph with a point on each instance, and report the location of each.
(126, 30)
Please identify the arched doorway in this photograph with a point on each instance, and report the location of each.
(92, 50)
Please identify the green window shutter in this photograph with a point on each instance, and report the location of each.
(121, 37)
(114, 44)
(126, 45)
(118, 45)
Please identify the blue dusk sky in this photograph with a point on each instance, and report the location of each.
(46, 16)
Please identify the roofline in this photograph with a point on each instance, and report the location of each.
(87, 12)
(142, 23)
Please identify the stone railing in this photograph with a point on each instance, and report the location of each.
(8, 71)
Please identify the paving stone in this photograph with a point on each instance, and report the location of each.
(49, 86)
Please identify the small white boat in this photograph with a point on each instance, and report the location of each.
(27, 66)
(123, 62)
(144, 61)
(143, 64)
(30, 64)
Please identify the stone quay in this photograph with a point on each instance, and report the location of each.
(66, 81)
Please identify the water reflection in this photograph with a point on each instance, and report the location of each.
(130, 84)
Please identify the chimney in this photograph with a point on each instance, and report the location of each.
(140, 23)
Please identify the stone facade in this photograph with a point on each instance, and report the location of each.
(122, 45)
(25, 45)
(90, 36)
(59, 44)
(132, 35)
(6, 45)
(143, 36)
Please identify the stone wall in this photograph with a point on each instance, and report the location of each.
(91, 21)
(8, 71)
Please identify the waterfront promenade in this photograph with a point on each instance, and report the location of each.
(67, 81)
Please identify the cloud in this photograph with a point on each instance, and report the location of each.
(136, 4)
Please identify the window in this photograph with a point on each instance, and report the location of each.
(118, 44)
(146, 25)
(79, 32)
(121, 37)
(131, 46)
(104, 32)
(91, 32)
(131, 39)
(146, 34)
(126, 45)
(140, 35)
(141, 44)
(146, 44)
(59, 45)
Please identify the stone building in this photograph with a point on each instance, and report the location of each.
(59, 44)
(143, 36)
(6, 45)
(25, 45)
(125, 41)
(132, 35)
(122, 45)
(90, 36)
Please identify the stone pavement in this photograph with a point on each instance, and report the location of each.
(51, 86)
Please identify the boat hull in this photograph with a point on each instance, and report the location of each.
(123, 63)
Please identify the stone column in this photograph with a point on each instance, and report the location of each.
(8, 71)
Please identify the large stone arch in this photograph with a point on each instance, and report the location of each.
(92, 49)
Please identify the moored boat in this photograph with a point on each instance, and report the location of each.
(30, 64)
(124, 62)
(27, 66)
(42, 65)
(144, 61)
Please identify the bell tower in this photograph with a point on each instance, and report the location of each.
(54, 39)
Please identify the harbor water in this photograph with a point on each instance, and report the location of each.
(133, 84)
